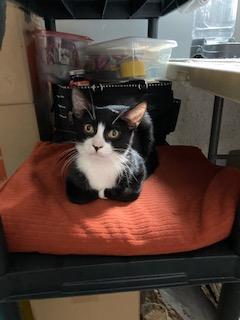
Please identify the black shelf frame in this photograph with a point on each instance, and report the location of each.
(100, 9)
(30, 276)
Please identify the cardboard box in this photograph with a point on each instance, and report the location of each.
(118, 306)
(18, 126)
(18, 134)
(14, 76)
(3, 173)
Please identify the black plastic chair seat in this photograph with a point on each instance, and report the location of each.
(39, 276)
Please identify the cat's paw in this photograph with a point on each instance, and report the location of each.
(124, 195)
(101, 194)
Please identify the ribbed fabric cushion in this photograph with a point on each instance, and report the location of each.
(187, 204)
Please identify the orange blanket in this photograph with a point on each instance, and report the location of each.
(187, 204)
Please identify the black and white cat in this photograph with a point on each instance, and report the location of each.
(114, 151)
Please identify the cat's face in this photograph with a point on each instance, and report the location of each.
(105, 131)
(101, 137)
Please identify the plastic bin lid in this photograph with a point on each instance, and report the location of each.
(63, 35)
(132, 43)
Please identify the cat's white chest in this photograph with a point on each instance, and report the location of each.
(101, 173)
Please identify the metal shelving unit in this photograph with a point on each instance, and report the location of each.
(25, 276)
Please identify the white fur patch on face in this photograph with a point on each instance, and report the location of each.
(98, 140)
(101, 167)
(88, 146)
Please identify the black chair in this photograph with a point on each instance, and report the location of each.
(32, 275)
(29, 276)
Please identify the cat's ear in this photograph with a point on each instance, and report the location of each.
(80, 103)
(134, 115)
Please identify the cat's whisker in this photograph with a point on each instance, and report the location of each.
(120, 149)
(126, 174)
(122, 159)
(126, 169)
(126, 165)
(70, 159)
(66, 162)
(132, 174)
(66, 165)
(127, 177)
(93, 109)
(119, 116)
(67, 150)
(66, 154)
(123, 156)
(65, 158)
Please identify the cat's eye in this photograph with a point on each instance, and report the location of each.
(88, 128)
(113, 134)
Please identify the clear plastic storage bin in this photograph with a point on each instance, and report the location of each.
(58, 53)
(128, 59)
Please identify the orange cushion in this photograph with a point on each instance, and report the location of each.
(187, 204)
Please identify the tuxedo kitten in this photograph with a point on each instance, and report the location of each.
(113, 147)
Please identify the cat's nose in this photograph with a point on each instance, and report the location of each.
(97, 147)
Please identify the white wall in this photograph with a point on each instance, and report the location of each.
(175, 26)
(102, 30)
